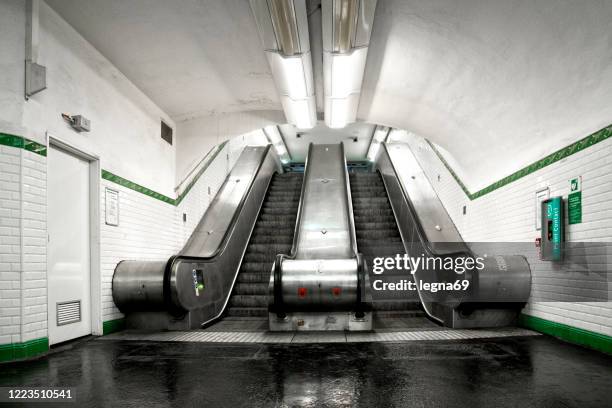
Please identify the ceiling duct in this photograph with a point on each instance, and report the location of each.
(347, 25)
(283, 28)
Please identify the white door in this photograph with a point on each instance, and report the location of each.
(68, 257)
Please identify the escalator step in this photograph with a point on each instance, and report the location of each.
(243, 288)
(387, 235)
(378, 236)
(248, 301)
(384, 225)
(277, 210)
(372, 218)
(248, 312)
(251, 277)
(272, 235)
(256, 267)
(264, 248)
(288, 219)
(271, 228)
(270, 239)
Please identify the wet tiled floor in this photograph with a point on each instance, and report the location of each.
(503, 372)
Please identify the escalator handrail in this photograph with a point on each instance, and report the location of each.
(299, 214)
(232, 225)
(431, 252)
(420, 231)
(349, 201)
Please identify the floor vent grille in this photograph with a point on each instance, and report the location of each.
(68, 312)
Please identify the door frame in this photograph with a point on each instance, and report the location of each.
(95, 279)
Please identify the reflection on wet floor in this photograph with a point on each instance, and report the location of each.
(525, 371)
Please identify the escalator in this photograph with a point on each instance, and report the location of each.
(296, 248)
(224, 268)
(496, 290)
(273, 234)
(378, 236)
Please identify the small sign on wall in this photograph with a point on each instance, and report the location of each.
(574, 201)
(111, 207)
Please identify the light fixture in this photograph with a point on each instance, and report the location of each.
(380, 135)
(347, 25)
(283, 28)
(275, 138)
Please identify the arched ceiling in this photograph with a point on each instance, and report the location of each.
(497, 83)
(191, 57)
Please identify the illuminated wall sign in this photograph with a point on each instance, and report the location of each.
(574, 201)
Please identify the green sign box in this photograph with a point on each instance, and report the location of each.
(574, 207)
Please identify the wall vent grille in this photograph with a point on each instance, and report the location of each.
(68, 312)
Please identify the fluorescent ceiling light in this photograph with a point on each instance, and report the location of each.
(373, 151)
(275, 138)
(347, 25)
(273, 134)
(283, 27)
(380, 136)
(282, 13)
(292, 75)
(342, 86)
(301, 113)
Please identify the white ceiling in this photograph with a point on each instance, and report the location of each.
(191, 57)
(496, 83)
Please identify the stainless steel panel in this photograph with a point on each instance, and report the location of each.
(221, 270)
(210, 232)
(435, 221)
(139, 286)
(318, 286)
(311, 284)
(215, 250)
(324, 226)
(503, 279)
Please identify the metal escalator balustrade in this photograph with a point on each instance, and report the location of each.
(321, 283)
(193, 288)
(496, 292)
(273, 234)
(378, 237)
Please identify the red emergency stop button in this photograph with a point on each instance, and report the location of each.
(336, 291)
(302, 292)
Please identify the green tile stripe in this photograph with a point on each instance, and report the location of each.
(574, 335)
(18, 351)
(113, 326)
(561, 154)
(208, 159)
(107, 175)
(23, 143)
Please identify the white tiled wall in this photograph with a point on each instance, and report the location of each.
(33, 245)
(508, 215)
(23, 245)
(10, 245)
(149, 229)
